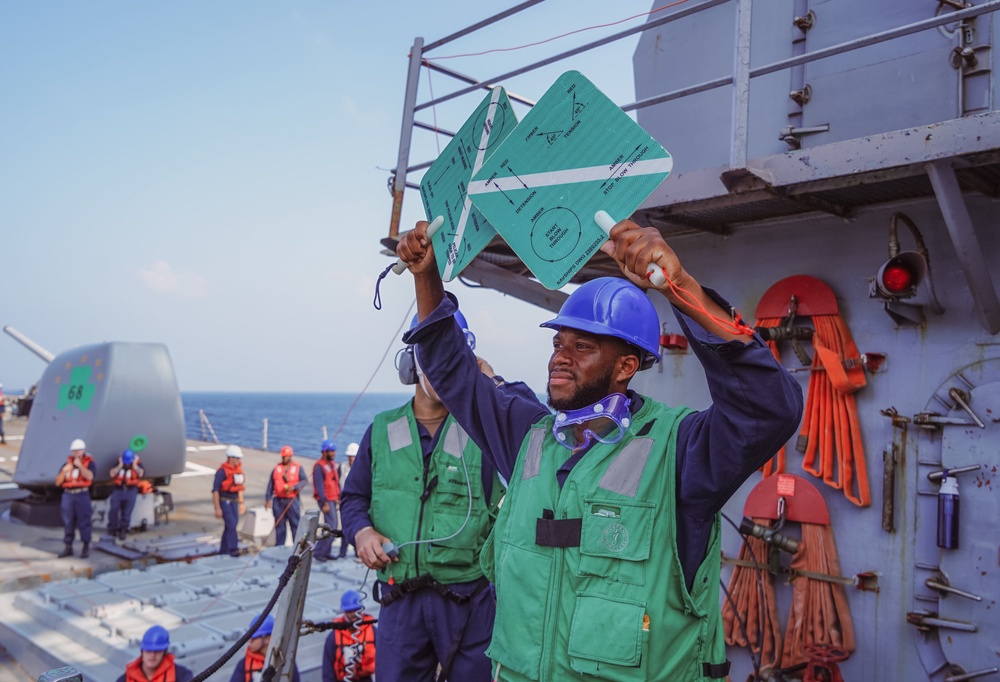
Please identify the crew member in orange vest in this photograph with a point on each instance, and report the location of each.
(249, 668)
(283, 491)
(75, 478)
(349, 652)
(227, 494)
(125, 476)
(326, 490)
(154, 663)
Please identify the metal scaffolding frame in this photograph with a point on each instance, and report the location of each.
(751, 190)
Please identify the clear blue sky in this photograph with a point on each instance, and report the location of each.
(212, 176)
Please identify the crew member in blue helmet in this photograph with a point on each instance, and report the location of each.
(326, 490)
(75, 478)
(154, 663)
(249, 668)
(349, 649)
(605, 553)
(125, 477)
(420, 483)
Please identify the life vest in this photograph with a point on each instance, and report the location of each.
(600, 550)
(331, 481)
(165, 672)
(253, 663)
(126, 476)
(235, 481)
(283, 476)
(409, 504)
(144, 486)
(75, 479)
(348, 649)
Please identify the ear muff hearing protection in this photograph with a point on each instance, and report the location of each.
(406, 365)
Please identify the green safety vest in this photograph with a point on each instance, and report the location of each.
(611, 604)
(398, 481)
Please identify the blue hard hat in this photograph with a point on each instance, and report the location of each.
(350, 601)
(266, 628)
(156, 639)
(611, 306)
(327, 446)
(470, 338)
(127, 457)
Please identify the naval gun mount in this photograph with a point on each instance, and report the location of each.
(113, 395)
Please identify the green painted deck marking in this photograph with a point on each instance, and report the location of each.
(575, 153)
(443, 189)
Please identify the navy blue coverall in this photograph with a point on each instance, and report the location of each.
(756, 407)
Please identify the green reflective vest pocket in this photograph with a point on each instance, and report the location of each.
(459, 550)
(615, 539)
(607, 640)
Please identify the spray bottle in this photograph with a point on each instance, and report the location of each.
(947, 518)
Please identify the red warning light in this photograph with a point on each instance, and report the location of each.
(897, 278)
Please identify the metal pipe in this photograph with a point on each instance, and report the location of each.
(29, 344)
(941, 587)
(677, 94)
(406, 131)
(876, 38)
(485, 22)
(963, 236)
(973, 675)
(434, 66)
(583, 48)
(433, 129)
(741, 87)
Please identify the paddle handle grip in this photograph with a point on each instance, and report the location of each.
(400, 267)
(654, 273)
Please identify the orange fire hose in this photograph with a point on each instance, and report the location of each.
(819, 613)
(752, 591)
(830, 427)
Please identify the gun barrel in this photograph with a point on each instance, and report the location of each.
(29, 344)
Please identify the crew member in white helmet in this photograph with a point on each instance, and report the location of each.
(227, 494)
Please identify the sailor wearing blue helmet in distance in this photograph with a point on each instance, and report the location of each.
(612, 513)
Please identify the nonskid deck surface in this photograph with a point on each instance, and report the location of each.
(91, 613)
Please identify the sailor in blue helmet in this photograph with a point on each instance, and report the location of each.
(125, 477)
(248, 668)
(605, 553)
(155, 664)
(326, 490)
(349, 649)
(421, 484)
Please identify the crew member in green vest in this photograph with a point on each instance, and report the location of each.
(419, 504)
(605, 554)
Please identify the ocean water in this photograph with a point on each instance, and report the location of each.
(295, 419)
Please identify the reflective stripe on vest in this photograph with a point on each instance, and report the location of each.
(234, 480)
(75, 479)
(345, 652)
(331, 481)
(283, 476)
(126, 476)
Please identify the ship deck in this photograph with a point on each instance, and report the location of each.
(90, 613)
